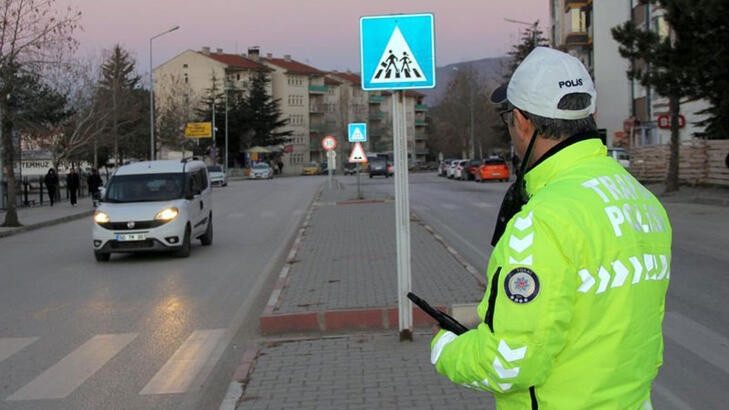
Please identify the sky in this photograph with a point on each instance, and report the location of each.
(320, 33)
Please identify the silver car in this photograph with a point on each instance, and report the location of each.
(261, 171)
(217, 175)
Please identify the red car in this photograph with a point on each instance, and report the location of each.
(493, 168)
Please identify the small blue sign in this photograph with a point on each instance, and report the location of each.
(357, 132)
(397, 52)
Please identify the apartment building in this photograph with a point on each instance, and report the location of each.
(627, 113)
(315, 103)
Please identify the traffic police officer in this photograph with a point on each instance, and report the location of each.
(571, 318)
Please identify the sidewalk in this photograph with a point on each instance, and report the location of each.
(330, 327)
(39, 216)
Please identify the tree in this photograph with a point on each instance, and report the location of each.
(660, 62)
(174, 112)
(32, 35)
(531, 38)
(263, 115)
(119, 89)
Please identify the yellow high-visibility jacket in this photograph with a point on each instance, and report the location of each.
(572, 315)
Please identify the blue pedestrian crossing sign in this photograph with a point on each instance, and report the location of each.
(397, 52)
(357, 132)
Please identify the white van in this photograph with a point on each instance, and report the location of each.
(154, 206)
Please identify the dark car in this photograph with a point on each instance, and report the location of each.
(350, 168)
(471, 170)
(378, 166)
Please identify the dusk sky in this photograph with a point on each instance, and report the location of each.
(321, 33)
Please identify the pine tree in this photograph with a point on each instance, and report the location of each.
(263, 115)
(663, 67)
(119, 88)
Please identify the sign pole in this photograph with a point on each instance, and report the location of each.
(402, 216)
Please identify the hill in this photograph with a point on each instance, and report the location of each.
(491, 69)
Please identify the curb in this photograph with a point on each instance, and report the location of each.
(16, 230)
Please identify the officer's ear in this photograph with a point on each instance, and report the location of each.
(522, 124)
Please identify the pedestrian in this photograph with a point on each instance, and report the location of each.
(280, 166)
(94, 182)
(51, 181)
(73, 183)
(572, 313)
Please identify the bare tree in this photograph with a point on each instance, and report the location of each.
(174, 111)
(33, 34)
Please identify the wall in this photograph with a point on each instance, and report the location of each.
(701, 162)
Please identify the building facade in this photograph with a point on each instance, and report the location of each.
(629, 114)
(314, 102)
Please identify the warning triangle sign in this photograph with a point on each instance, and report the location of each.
(397, 63)
(358, 154)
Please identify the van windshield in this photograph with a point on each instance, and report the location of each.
(145, 187)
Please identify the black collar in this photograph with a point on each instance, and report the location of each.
(565, 143)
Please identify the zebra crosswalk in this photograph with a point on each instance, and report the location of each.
(69, 373)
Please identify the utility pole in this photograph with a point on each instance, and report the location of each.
(534, 27)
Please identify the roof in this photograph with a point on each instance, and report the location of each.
(293, 66)
(235, 61)
(353, 78)
(331, 81)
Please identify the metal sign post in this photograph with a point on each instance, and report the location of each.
(398, 53)
(402, 216)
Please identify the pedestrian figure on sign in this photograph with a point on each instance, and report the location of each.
(405, 67)
(51, 181)
(73, 183)
(94, 182)
(388, 65)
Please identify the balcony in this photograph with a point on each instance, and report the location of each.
(576, 4)
(420, 123)
(421, 136)
(421, 107)
(316, 109)
(376, 99)
(318, 89)
(577, 39)
(377, 116)
(421, 151)
(317, 128)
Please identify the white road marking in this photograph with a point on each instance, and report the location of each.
(72, 371)
(11, 345)
(483, 205)
(699, 339)
(182, 368)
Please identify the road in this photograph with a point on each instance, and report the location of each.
(142, 331)
(695, 373)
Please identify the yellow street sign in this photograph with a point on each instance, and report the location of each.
(198, 130)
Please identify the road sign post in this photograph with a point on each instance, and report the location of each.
(398, 53)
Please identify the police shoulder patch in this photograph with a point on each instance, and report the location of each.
(521, 285)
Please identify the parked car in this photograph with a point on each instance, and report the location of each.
(261, 170)
(450, 170)
(350, 168)
(493, 168)
(443, 167)
(472, 169)
(154, 206)
(460, 170)
(311, 168)
(620, 155)
(378, 166)
(217, 175)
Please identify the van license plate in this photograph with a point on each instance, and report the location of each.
(130, 237)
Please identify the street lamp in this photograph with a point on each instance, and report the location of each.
(151, 93)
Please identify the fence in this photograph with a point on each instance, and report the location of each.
(31, 191)
(701, 162)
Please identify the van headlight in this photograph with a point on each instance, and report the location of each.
(101, 217)
(167, 214)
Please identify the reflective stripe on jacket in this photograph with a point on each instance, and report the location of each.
(571, 317)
